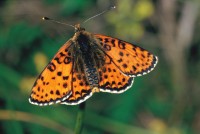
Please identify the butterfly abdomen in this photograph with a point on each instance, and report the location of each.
(91, 72)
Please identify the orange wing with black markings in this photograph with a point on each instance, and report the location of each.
(112, 79)
(81, 90)
(132, 60)
(52, 85)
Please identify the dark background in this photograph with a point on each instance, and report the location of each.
(166, 101)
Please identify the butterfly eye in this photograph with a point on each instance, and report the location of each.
(78, 28)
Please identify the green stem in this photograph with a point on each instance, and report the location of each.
(79, 120)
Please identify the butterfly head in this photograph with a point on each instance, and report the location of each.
(78, 28)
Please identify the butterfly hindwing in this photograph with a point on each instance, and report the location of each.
(52, 85)
(112, 79)
(132, 60)
(80, 90)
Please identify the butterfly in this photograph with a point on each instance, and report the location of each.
(89, 63)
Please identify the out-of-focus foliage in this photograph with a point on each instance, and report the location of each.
(164, 101)
(130, 25)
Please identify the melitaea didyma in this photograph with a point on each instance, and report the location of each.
(89, 63)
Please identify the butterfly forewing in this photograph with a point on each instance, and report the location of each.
(53, 84)
(130, 59)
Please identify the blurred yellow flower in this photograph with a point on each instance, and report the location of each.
(26, 84)
(143, 9)
(40, 61)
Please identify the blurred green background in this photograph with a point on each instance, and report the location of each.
(166, 101)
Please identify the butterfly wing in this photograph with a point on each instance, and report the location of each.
(80, 90)
(112, 79)
(52, 85)
(132, 60)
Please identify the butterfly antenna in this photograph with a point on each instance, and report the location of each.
(110, 8)
(46, 18)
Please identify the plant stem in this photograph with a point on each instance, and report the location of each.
(79, 120)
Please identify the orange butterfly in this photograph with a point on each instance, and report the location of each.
(89, 63)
